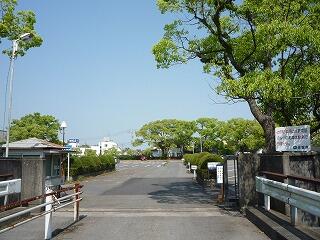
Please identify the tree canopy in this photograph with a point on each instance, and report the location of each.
(214, 135)
(15, 23)
(165, 134)
(263, 52)
(35, 125)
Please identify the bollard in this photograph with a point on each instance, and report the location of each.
(76, 204)
(48, 217)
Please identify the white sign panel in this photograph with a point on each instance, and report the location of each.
(194, 167)
(212, 165)
(293, 139)
(219, 174)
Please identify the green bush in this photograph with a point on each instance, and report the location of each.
(209, 157)
(201, 159)
(90, 164)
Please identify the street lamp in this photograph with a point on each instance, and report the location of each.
(15, 46)
(63, 126)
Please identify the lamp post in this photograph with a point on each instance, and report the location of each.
(15, 46)
(63, 126)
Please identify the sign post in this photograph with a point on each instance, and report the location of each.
(194, 168)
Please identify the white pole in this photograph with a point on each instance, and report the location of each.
(194, 173)
(14, 49)
(48, 217)
(68, 176)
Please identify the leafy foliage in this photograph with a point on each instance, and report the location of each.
(15, 23)
(91, 163)
(35, 125)
(263, 52)
(242, 135)
(165, 134)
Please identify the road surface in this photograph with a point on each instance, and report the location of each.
(147, 200)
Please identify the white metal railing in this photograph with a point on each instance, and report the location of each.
(9, 187)
(51, 205)
(306, 200)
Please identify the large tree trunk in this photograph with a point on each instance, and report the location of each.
(267, 123)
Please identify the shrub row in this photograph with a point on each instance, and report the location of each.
(90, 164)
(201, 159)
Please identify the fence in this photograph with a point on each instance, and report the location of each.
(9, 187)
(296, 197)
(52, 204)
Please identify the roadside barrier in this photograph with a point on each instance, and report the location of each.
(52, 204)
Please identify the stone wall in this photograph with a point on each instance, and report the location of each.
(248, 168)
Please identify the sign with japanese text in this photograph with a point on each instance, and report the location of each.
(219, 174)
(293, 139)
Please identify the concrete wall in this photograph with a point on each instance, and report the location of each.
(33, 177)
(31, 172)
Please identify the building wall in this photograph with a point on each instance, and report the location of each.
(31, 172)
(33, 177)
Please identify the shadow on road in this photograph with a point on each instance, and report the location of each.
(166, 190)
(184, 192)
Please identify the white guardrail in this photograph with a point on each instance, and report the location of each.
(9, 187)
(306, 200)
(51, 205)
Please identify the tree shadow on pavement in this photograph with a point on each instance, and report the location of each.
(184, 192)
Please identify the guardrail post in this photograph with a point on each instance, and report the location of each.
(48, 217)
(6, 196)
(76, 204)
(293, 210)
(266, 199)
(267, 202)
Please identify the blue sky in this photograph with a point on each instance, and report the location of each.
(95, 70)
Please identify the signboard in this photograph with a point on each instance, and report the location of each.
(194, 167)
(219, 174)
(293, 139)
(73, 140)
(67, 147)
(212, 165)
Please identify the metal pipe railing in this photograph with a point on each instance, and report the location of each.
(51, 205)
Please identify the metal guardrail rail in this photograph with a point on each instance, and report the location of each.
(51, 205)
(9, 187)
(296, 197)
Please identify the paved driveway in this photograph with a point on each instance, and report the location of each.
(146, 200)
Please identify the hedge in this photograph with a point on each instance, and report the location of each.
(90, 164)
(201, 159)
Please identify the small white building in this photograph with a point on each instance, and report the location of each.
(102, 146)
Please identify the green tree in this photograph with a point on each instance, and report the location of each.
(165, 134)
(35, 125)
(263, 52)
(182, 133)
(15, 23)
(209, 132)
(157, 134)
(242, 135)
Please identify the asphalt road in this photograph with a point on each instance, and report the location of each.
(146, 200)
